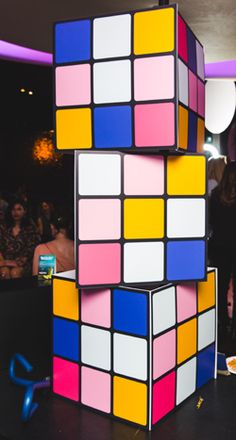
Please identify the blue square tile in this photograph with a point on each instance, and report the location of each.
(66, 339)
(186, 260)
(192, 132)
(73, 41)
(113, 127)
(130, 311)
(192, 55)
(205, 365)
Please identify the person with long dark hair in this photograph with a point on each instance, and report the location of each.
(222, 243)
(18, 239)
(62, 246)
(46, 216)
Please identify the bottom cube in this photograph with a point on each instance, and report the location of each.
(134, 354)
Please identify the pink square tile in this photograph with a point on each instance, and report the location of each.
(163, 397)
(96, 389)
(99, 264)
(66, 378)
(73, 85)
(154, 78)
(192, 91)
(186, 301)
(96, 307)
(143, 175)
(182, 39)
(201, 98)
(99, 219)
(164, 353)
(154, 125)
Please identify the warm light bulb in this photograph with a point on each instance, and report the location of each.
(30, 92)
(22, 90)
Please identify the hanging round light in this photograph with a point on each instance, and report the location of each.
(220, 105)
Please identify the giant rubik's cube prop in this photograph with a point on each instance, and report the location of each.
(129, 92)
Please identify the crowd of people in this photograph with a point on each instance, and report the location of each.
(24, 238)
(222, 234)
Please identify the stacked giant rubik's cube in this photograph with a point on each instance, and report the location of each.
(130, 339)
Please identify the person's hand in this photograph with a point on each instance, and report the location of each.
(10, 263)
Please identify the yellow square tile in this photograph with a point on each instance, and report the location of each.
(186, 175)
(143, 218)
(154, 31)
(74, 129)
(206, 293)
(130, 400)
(183, 128)
(200, 135)
(65, 299)
(186, 340)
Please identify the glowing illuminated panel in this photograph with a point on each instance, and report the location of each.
(133, 354)
(140, 218)
(121, 84)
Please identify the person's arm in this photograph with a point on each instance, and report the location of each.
(36, 260)
(40, 226)
(32, 239)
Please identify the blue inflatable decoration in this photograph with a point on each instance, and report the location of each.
(29, 407)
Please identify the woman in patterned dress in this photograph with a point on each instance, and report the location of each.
(18, 239)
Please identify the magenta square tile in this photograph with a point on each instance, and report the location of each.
(154, 125)
(163, 397)
(201, 98)
(66, 378)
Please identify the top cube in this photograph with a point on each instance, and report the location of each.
(132, 81)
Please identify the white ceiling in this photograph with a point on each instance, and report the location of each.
(30, 22)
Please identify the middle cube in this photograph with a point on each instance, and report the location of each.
(140, 218)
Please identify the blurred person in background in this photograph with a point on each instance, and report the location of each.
(216, 168)
(18, 239)
(222, 243)
(62, 247)
(46, 217)
(3, 208)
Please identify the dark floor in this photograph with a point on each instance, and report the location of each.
(60, 420)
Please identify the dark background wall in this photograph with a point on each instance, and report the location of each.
(23, 118)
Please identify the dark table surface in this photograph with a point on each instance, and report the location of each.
(61, 420)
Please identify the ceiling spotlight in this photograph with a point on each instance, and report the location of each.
(30, 92)
(22, 90)
(212, 150)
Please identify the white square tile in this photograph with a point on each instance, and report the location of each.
(112, 82)
(96, 347)
(183, 83)
(164, 310)
(186, 218)
(112, 36)
(130, 356)
(206, 329)
(99, 174)
(143, 262)
(186, 380)
(200, 61)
